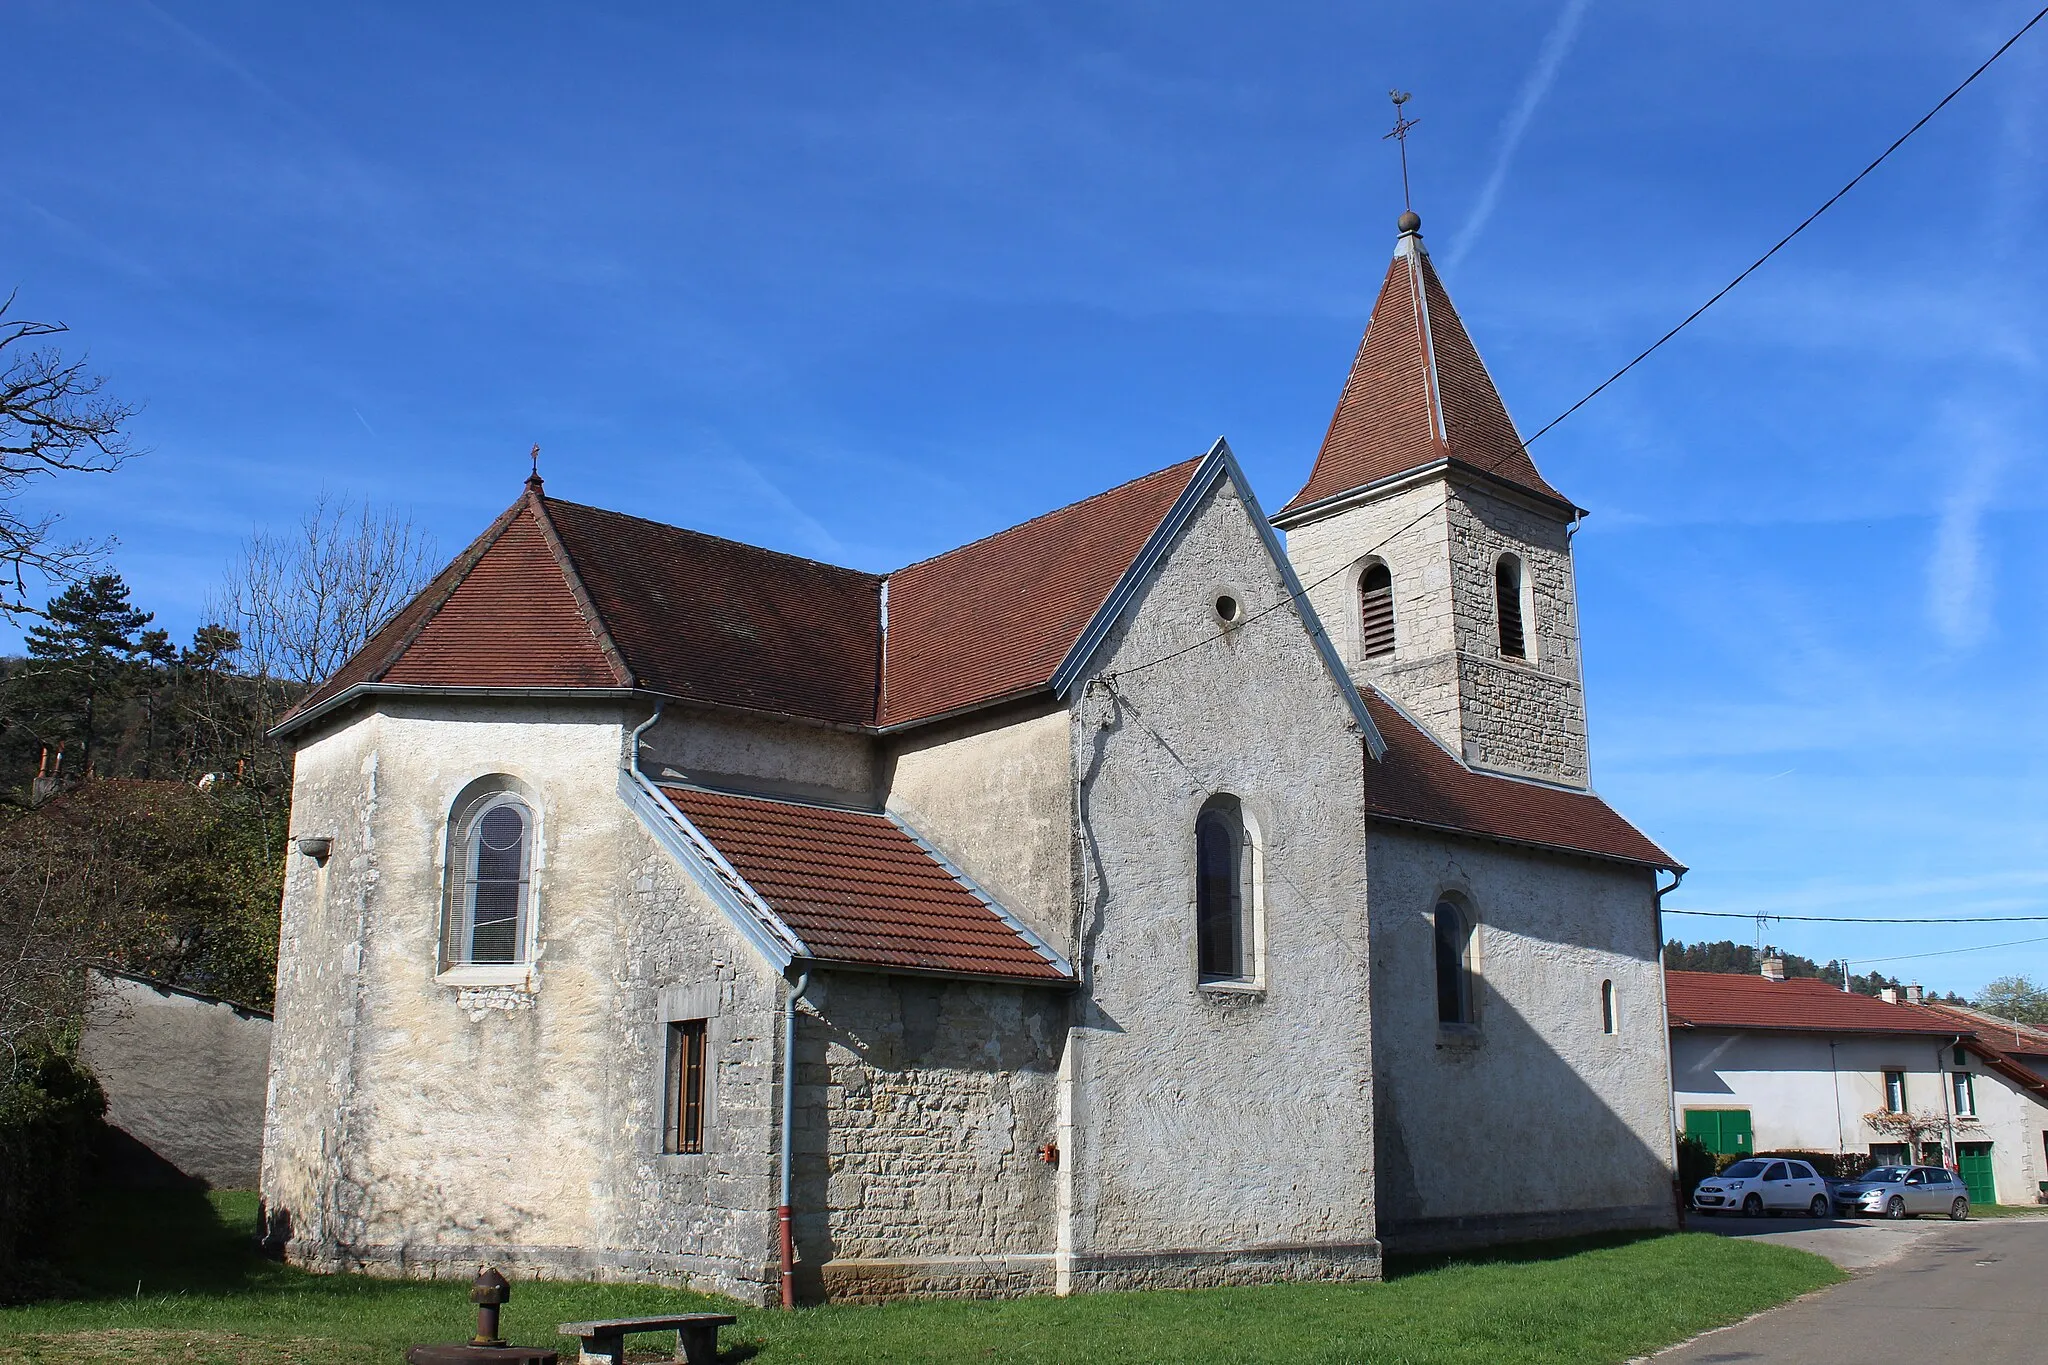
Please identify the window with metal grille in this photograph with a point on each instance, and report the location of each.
(1453, 964)
(1507, 599)
(491, 859)
(1224, 865)
(1608, 1022)
(683, 1130)
(1376, 610)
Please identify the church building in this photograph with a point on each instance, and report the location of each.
(1132, 898)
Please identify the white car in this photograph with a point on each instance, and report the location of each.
(1765, 1184)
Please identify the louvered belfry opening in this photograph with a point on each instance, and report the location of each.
(1507, 596)
(1376, 610)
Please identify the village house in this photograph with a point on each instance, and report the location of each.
(1765, 1064)
(1125, 899)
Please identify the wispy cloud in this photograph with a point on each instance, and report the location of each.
(1959, 584)
(1549, 60)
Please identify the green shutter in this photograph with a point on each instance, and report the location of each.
(1725, 1132)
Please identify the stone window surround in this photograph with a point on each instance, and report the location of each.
(1531, 635)
(1354, 625)
(463, 807)
(698, 1000)
(1470, 1032)
(1253, 983)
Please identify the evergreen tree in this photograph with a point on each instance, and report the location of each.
(85, 659)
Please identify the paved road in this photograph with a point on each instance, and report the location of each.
(1969, 1292)
(1851, 1243)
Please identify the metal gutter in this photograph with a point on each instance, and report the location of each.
(357, 691)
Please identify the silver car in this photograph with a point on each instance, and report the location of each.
(1764, 1184)
(1902, 1192)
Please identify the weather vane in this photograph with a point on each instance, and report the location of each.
(536, 459)
(1402, 124)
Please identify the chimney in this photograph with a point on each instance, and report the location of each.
(1774, 969)
(1890, 994)
(1913, 994)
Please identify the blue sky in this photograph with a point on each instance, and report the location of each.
(865, 282)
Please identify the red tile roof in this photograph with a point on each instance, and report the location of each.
(719, 621)
(1420, 782)
(1713, 1000)
(996, 617)
(857, 889)
(1994, 1042)
(1417, 393)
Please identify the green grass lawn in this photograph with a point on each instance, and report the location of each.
(2008, 1211)
(166, 1278)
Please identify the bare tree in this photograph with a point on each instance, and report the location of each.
(305, 600)
(55, 417)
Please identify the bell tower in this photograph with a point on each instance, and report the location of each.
(1441, 558)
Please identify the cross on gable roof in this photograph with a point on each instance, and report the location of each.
(1417, 394)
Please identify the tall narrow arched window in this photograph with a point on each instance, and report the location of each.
(1224, 871)
(490, 881)
(1453, 965)
(1609, 1021)
(1376, 610)
(1507, 600)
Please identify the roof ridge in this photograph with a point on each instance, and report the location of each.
(622, 670)
(1050, 512)
(723, 540)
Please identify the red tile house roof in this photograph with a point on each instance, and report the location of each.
(1419, 782)
(1713, 1000)
(859, 888)
(1417, 393)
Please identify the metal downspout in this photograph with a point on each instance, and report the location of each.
(782, 1219)
(1948, 1108)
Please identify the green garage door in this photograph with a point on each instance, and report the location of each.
(1974, 1160)
(1725, 1132)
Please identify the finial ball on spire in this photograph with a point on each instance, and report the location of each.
(1411, 221)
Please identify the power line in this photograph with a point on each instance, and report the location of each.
(1870, 919)
(1948, 952)
(1804, 224)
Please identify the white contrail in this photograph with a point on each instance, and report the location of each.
(1542, 76)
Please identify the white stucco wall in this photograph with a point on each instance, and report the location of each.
(1536, 1121)
(1237, 1122)
(760, 754)
(416, 1124)
(995, 794)
(1810, 1092)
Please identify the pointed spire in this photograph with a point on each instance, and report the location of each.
(1418, 393)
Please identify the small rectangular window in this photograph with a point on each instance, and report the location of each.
(1608, 1022)
(1966, 1092)
(1895, 1092)
(683, 1128)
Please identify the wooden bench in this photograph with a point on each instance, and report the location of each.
(604, 1341)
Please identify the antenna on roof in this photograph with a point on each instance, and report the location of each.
(533, 479)
(1402, 124)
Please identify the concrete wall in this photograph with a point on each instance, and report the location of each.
(418, 1121)
(1440, 538)
(1212, 1133)
(184, 1076)
(995, 794)
(1534, 1122)
(760, 754)
(1809, 1092)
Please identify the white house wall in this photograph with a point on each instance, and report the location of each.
(1536, 1122)
(1234, 1122)
(1807, 1092)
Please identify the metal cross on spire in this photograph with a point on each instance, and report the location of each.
(1400, 134)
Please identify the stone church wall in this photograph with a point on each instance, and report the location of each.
(1535, 1123)
(416, 1124)
(995, 794)
(1218, 1134)
(923, 1104)
(760, 754)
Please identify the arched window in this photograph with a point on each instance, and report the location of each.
(490, 880)
(1453, 964)
(1507, 600)
(1224, 866)
(1609, 1022)
(1376, 610)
